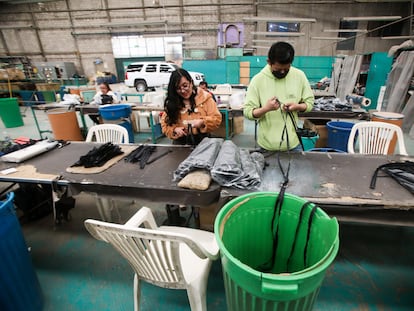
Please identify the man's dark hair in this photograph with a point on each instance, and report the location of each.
(204, 83)
(281, 52)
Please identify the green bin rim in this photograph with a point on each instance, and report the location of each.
(320, 266)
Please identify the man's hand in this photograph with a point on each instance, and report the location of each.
(294, 107)
(271, 105)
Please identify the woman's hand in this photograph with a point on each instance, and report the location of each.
(294, 107)
(180, 131)
(197, 123)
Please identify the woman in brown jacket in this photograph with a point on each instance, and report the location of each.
(190, 112)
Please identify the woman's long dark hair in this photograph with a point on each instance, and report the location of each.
(174, 102)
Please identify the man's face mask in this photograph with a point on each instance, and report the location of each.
(280, 74)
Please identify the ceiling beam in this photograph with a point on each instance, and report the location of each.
(278, 34)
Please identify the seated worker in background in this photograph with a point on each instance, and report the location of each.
(279, 88)
(190, 113)
(204, 86)
(104, 96)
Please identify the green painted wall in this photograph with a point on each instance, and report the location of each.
(214, 70)
(227, 70)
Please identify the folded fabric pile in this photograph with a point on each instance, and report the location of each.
(228, 165)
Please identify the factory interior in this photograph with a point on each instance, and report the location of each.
(216, 155)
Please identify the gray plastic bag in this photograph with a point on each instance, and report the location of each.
(227, 168)
(202, 157)
(237, 168)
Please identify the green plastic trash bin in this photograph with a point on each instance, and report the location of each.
(243, 233)
(10, 112)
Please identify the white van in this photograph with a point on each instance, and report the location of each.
(144, 75)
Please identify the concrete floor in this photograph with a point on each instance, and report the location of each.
(374, 269)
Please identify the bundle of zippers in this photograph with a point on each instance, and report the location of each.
(401, 172)
(141, 155)
(99, 156)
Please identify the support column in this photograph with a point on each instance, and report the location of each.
(36, 29)
(78, 55)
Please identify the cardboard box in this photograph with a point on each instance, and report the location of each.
(238, 124)
(221, 131)
(244, 72)
(318, 126)
(244, 81)
(245, 65)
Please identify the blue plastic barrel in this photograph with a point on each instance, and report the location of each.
(19, 286)
(338, 134)
(130, 130)
(114, 112)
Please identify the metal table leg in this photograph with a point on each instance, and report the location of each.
(37, 124)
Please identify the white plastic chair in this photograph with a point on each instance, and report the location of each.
(105, 133)
(169, 257)
(375, 138)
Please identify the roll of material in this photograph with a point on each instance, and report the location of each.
(358, 100)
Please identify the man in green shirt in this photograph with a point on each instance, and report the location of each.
(277, 89)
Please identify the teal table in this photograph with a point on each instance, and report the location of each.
(228, 115)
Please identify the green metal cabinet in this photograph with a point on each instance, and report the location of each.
(379, 67)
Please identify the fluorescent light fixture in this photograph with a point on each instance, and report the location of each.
(278, 34)
(380, 1)
(345, 30)
(329, 38)
(198, 47)
(141, 23)
(370, 18)
(397, 37)
(279, 19)
(192, 44)
(170, 34)
(261, 41)
(90, 33)
(26, 1)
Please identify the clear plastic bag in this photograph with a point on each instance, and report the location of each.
(237, 168)
(227, 168)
